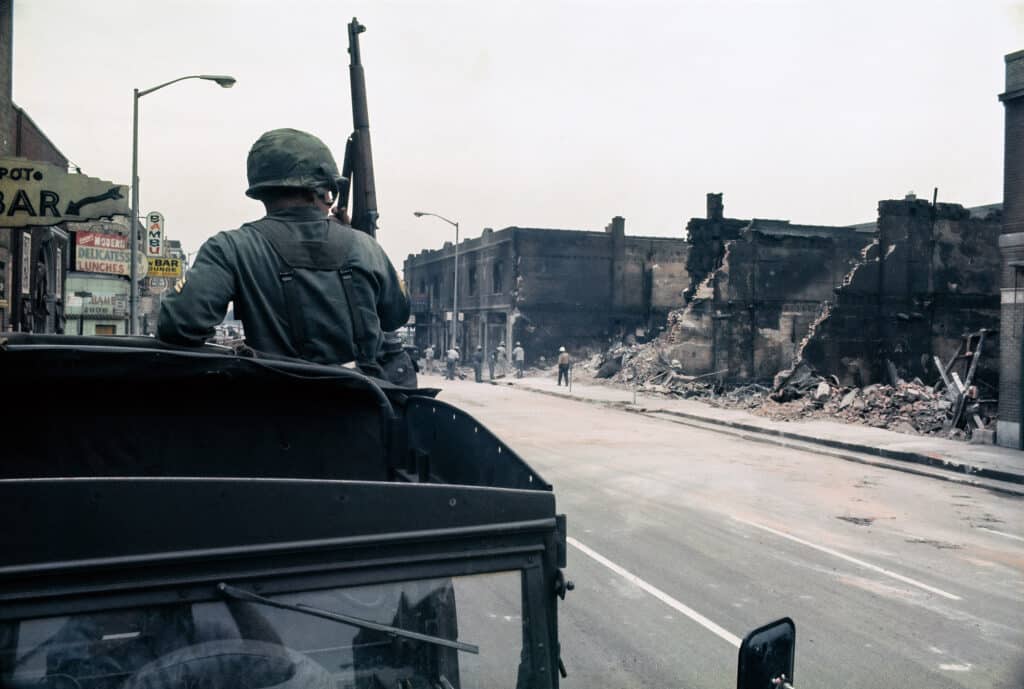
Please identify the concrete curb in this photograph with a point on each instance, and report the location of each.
(959, 468)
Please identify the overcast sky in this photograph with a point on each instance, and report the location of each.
(544, 114)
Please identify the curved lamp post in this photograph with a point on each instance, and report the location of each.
(455, 295)
(133, 301)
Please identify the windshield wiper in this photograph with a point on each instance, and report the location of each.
(241, 594)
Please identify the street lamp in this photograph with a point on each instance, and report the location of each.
(455, 295)
(133, 300)
(83, 295)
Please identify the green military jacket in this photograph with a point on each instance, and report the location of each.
(242, 266)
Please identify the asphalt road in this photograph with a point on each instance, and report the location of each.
(685, 539)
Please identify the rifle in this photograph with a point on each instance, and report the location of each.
(357, 170)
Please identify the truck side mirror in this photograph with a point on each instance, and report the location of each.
(767, 655)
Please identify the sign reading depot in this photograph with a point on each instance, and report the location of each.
(164, 267)
(36, 193)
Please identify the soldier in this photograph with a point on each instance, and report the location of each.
(303, 284)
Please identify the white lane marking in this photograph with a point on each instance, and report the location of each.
(956, 667)
(1000, 533)
(657, 593)
(861, 563)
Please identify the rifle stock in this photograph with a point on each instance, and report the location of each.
(358, 165)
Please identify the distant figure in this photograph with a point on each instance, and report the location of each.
(519, 359)
(428, 359)
(502, 360)
(451, 361)
(492, 359)
(563, 365)
(478, 364)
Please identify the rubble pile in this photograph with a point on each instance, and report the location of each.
(909, 407)
(912, 407)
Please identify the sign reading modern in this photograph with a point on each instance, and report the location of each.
(37, 193)
(102, 253)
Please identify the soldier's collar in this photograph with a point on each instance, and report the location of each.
(298, 213)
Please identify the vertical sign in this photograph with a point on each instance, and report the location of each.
(155, 234)
(26, 262)
(58, 276)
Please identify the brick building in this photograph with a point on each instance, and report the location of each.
(1011, 244)
(547, 288)
(33, 261)
(929, 276)
(756, 288)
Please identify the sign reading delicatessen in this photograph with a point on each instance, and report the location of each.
(102, 253)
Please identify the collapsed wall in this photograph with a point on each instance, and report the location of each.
(930, 277)
(748, 316)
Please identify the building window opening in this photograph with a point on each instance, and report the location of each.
(471, 283)
(497, 278)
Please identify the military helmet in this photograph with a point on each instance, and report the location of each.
(289, 158)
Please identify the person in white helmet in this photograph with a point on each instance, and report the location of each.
(563, 365)
(519, 359)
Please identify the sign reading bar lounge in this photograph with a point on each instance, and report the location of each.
(37, 193)
(164, 267)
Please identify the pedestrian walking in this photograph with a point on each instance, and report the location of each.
(478, 364)
(502, 360)
(451, 361)
(492, 360)
(428, 359)
(563, 365)
(519, 359)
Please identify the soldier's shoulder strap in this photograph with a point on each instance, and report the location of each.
(330, 252)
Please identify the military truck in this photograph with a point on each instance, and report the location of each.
(205, 518)
(198, 518)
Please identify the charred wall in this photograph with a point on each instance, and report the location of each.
(707, 237)
(548, 287)
(929, 278)
(749, 316)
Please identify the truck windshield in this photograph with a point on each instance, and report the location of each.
(232, 642)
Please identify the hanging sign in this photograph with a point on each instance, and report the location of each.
(37, 193)
(154, 234)
(164, 267)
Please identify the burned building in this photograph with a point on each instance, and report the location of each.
(928, 278)
(1011, 244)
(756, 288)
(547, 288)
(848, 301)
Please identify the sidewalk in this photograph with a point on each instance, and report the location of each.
(983, 461)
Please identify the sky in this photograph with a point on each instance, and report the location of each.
(556, 113)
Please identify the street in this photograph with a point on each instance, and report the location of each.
(682, 540)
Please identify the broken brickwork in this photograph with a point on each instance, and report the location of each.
(929, 278)
(749, 314)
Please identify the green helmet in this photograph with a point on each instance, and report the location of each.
(289, 158)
